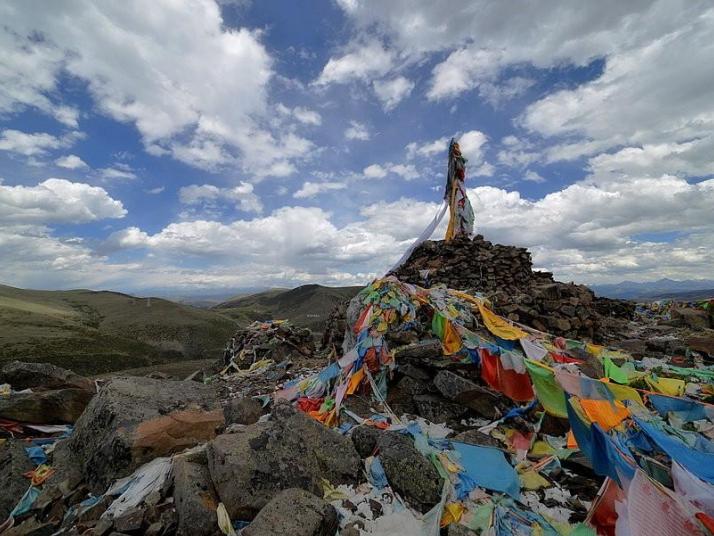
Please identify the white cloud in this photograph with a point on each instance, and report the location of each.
(309, 117)
(689, 159)
(311, 189)
(485, 37)
(193, 87)
(405, 171)
(533, 176)
(26, 144)
(71, 161)
(428, 149)
(208, 195)
(363, 61)
(621, 108)
(57, 201)
(155, 191)
(303, 115)
(357, 131)
(471, 144)
(374, 171)
(118, 171)
(392, 92)
(484, 170)
(590, 231)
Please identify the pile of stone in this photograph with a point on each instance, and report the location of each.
(335, 326)
(41, 393)
(159, 457)
(505, 275)
(276, 340)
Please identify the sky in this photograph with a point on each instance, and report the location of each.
(188, 146)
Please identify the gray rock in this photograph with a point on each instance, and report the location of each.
(13, 462)
(251, 466)
(21, 375)
(408, 472)
(427, 350)
(702, 343)
(46, 407)
(31, 527)
(459, 530)
(411, 386)
(242, 411)
(365, 439)
(295, 512)
(130, 521)
(633, 346)
(467, 393)
(696, 319)
(195, 499)
(414, 372)
(474, 437)
(132, 421)
(437, 410)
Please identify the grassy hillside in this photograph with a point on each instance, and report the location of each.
(306, 306)
(93, 332)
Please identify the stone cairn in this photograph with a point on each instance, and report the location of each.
(505, 275)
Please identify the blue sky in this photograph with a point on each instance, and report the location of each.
(194, 146)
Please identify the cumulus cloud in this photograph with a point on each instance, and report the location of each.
(357, 131)
(57, 201)
(362, 61)
(374, 171)
(303, 115)
(208, 195)
(392, 92)
(533, 176)
(377, 171)
(485, 37)
(118, 171)
(517, 152)
(29, 144)
(71, 161)
(311, 189)
(427, 149)
(193, 87)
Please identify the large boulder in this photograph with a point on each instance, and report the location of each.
(695, 319)
(467, 393)
(21, 375)
(251, 466)
(134, 420)
(195, 499)
(436, 409)
(242, 411)
(63, 406)
(703, 342)
(13, 463)
(295, 512)
(408, 472)
(365, 439)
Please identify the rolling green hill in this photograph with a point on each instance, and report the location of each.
(306, 306)
(93, 332)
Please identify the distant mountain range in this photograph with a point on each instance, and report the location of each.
(693, 289)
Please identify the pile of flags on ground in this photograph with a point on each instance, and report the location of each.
(645, 426)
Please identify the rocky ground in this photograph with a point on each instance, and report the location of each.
(218, 452)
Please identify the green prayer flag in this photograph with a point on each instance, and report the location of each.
(614, 372)
(549, 393)
(438, 325)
